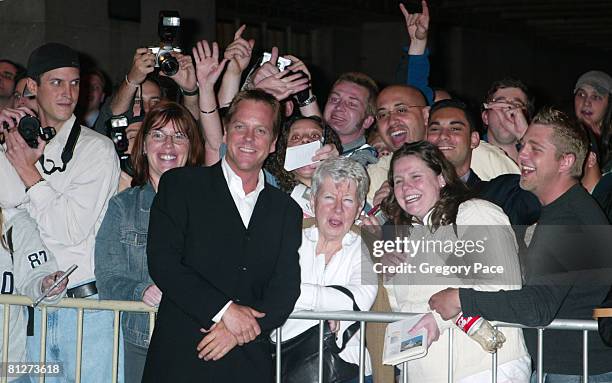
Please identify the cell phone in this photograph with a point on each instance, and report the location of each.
(282, 63)
(54, 285)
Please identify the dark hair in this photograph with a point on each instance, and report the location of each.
(275, 163)
(158, 116)
(451, 195)
(457, 104)
(98, 72)
(512, 83)
(606, 136)
(259, 96)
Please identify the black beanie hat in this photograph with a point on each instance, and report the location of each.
(51, 56)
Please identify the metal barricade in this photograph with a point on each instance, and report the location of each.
(82, 305)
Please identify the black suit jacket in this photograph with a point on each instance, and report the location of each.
(201, 256)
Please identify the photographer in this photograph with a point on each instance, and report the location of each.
(64, 185)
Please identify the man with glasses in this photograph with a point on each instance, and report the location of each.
(22, 97)
(8, 72)
(64, 185)
(506, 101)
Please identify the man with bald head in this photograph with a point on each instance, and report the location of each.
(402, 115)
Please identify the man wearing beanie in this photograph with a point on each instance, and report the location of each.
(64, 185)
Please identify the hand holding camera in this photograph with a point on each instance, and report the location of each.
(27, 125)
(142, 65)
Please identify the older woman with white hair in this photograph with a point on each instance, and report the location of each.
(332, 259)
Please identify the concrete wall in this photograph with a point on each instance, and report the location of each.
(85, 25)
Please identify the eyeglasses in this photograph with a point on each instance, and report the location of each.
(177, 138)
(400, 110)
(7, 75)
(296, 138)
(504, 104)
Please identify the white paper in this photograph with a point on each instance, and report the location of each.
(401, 346)
(298, 156)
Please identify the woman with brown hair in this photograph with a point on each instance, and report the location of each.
(169, 138)
(430, 205)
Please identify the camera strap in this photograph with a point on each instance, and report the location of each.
(67, 152)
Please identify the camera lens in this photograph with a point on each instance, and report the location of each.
(168, 64)
(29, 128)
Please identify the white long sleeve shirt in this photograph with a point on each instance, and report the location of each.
(68, 207)
(344, 269)
(24, 262)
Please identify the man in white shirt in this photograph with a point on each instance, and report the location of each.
(64, 185)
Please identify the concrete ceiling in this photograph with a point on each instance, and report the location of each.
(574, 22)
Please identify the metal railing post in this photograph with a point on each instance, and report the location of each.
(585, 356)
(116, 327)
(43, 339)
(321, 329)
(362, 330)
(5, 341)
(278, 354)
(451, 332)
(540, 355)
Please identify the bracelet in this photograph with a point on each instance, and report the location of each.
(211, 112)
(309, 101)
(194, 92)
(35, 183)
(127, 81)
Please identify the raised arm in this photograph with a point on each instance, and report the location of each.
(142, 64)
(417, 25)
(310, 107)
(239, 55)
(208, 70)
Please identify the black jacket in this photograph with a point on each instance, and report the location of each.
(201, 256)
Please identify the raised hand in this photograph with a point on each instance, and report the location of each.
(282, 85)
(239, 52)
(417, 23)
(142, 64)
(267, 69)
(297, 64)
(208, 67)
(186, 76)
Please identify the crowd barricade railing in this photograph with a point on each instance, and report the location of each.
(82, 305)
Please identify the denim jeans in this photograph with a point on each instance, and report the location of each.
(97, 364)
(135, 358)
(368, 379)
(557, 378)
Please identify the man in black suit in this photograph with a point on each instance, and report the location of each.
(223, 248)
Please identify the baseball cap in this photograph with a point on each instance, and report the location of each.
(601, 81)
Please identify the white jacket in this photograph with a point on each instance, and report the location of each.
(468, 356)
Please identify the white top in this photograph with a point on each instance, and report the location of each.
(488, 161)
(245, 203)
(343, 269)
(69, 206)
(22, 272)
(469, 358)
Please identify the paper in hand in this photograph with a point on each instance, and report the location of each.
(298, 156)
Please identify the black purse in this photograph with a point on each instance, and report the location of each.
(300, 355)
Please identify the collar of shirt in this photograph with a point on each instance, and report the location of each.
(312, 234)
(466, 176)
(352, 146)
(244, 202)
(56, 145)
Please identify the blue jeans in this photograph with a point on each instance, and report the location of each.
(557, 378)
(97, 363)
(368, 379)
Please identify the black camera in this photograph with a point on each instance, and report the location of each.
(117, 133)
(30, 129)
(168, 29)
